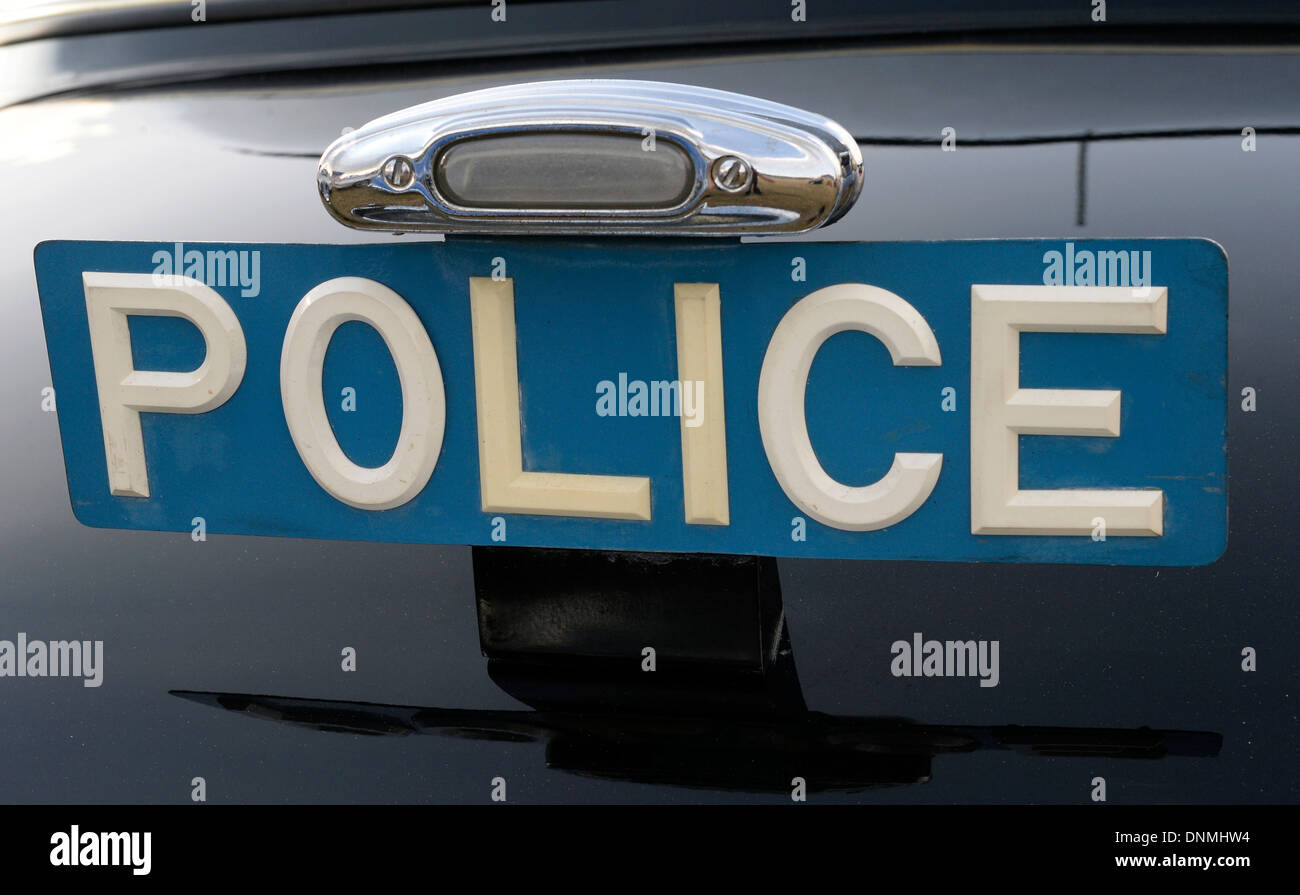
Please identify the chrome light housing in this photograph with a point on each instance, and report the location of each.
(593, 157)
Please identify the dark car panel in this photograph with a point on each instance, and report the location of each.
(1131, 141)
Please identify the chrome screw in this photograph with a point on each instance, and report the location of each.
(399, 172)
(731, 173)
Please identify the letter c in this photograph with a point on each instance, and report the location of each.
(784, 427)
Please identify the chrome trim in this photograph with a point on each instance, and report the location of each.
(784, 169)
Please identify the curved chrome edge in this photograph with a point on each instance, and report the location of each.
(782, 169)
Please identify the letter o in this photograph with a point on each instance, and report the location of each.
(784, 427)
(424, 402)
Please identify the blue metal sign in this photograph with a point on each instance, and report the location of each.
(1008, 400)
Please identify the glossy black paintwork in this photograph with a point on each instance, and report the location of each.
(730, 751)
(1094, 647)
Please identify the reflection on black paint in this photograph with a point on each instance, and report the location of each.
(751, 753)
(563, 632)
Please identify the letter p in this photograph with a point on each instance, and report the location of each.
(125, 392)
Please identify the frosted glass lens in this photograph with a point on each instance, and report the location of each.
(559, 170)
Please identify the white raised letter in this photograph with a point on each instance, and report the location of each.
(424, 403)
(784, 379)
(504, 485)
(1001, 411)
(704, 438)
(125, 392)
